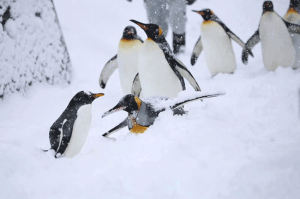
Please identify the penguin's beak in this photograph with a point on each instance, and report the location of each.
(142, 25)
(98, 95)
(199, 12)
(117, 108)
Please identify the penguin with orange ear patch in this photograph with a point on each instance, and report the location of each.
(215, 40)
(160, 73)
(142, 114)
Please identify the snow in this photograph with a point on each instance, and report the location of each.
(245, 144)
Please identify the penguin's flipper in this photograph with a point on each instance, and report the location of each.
(136, 86)
(196, 51)
(139, 38)
(116, 128)
(292, 28)
(184, 72)
(255, 39)
(65, 135)
(107, 71)
(181, 104)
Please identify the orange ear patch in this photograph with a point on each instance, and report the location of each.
(160, 31)
(138, 101)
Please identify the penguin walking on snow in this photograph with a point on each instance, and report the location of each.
(276, 42)
(215, 41)
(293, 16)
(68, 133)
(160, 73)
(142, 114)
(126, 60)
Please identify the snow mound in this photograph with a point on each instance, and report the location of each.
(32, 47)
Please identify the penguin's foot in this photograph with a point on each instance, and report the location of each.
(178, 43)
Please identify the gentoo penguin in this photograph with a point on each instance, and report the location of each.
(276, 43)
(142, 113)
(126, 60)
(68, 133)
(293, 16)
(160, 73)
(215, 41)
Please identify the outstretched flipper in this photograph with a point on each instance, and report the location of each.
(107, 71)
(292, 28)
(187, 75)
(136, 86)
(181, 104)
(255, 39)
(117, 128)
(197, 51)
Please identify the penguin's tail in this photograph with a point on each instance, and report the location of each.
(181, 104)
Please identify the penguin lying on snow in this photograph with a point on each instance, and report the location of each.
(276, 43)
(126, 60)
(142, 114)
(215, 42)
(293, 16)
(160, 73)
(68, 133)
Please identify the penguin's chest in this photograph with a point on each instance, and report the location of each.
(277, 47)
(156, 75)
(128, 62)
(293, 17)
(135, 127)
(80, 131)
(217, 48)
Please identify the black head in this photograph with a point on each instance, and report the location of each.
(294, 3)
(129, 33)
(268, 6)
(207, 14)
(84, 97)
(153, 31)
(128, 103)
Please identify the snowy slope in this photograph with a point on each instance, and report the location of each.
(245, 144)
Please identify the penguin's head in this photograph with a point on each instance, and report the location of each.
(207, 14)
(294, 3)
(84, 97)
(129, 33)
(128, 103)
(153, 31)
(268, 6)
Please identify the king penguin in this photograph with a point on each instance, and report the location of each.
(142, 113)
(126, 60)
(215, 41)
(276, 42)
(160, 73)
(293, 16)
(68, 133)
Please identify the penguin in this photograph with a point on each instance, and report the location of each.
(215, 41)
(293, 16)
(276, 42)
(126, 60)
(142, 113)
(68, 133)
(160, 73)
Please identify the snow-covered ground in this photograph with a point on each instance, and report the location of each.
(245, 144)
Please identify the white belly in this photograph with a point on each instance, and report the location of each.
(217, 48)
(293, 17)
(128, 63)
(156, 76)
(277, 47)
(80, 132)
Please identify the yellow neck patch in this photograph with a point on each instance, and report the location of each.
(207, 22)
(292, 11)
(137, 128)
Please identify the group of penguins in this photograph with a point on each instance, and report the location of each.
(149, 69)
